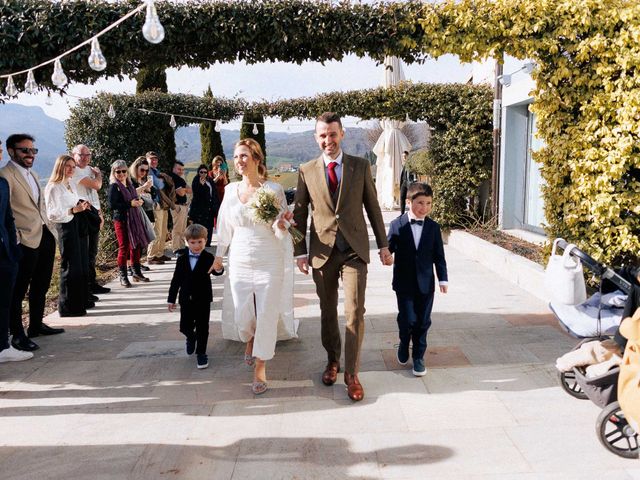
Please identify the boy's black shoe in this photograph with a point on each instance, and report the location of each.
(403, 354)
(419, 369)
(191, 345)
(203, 360)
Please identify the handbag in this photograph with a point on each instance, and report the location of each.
(148, 226)
(564, 278)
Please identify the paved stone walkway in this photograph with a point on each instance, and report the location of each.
(115, 397)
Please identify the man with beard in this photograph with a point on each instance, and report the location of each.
(37, 243)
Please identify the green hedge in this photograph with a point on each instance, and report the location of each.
(459, 114)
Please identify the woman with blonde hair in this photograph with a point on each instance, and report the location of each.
(128, 223)
(63, 210)
(258, 301)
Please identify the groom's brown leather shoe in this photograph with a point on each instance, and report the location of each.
(330, 374)
(354, 389)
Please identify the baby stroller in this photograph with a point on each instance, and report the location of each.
(598, 319)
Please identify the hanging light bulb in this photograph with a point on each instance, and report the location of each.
(217, 127)
(11, 90)
(152, 30)
(48, 100)
(96, 59)
(172, 122)
(30, 86)
(59, 79)
(255, 129)
(111, 112)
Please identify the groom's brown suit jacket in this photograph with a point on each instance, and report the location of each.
(356, 190)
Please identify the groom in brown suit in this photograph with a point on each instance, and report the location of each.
(337, 186)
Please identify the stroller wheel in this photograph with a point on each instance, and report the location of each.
(615, 433)
(569, 385)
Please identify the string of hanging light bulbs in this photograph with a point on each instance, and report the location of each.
(152, 30)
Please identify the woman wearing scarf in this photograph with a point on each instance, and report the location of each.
(127, 222)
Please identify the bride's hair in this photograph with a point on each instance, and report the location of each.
(256, 153)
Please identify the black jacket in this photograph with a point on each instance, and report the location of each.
(192, 285)
(205, 203)
(119, 207)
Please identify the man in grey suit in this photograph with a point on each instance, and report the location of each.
(338, 186)
(37, 243)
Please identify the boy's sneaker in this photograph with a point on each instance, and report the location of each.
(191, 345)
(403, 354)
(14, 355)
(419, 369)
(203, 360)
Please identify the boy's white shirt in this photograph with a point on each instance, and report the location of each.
(417, 233)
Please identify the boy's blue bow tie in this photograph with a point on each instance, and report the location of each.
(417, 222)
(194, 255)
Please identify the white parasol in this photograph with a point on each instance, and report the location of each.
(391, 144)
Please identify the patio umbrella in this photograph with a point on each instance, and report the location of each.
(391, 144)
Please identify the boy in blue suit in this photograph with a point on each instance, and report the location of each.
(416, 242)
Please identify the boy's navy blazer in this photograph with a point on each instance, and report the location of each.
(413, 268)
(193, 285)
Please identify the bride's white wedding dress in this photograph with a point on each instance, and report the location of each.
(258, 291)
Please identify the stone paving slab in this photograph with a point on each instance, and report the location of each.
(116, 397)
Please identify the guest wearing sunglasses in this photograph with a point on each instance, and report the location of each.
(205, 203)
(143, 183)
(127, 221)
(37, 243)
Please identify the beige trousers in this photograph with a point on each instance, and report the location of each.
(179, 217)
(156, 248)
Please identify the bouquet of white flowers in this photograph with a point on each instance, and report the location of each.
(265, 208)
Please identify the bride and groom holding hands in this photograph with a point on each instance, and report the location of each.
(258, 298)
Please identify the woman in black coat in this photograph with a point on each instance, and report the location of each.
(205, 203)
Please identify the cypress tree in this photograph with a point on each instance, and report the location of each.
(210, 139)
(158, 134)
(249, 119)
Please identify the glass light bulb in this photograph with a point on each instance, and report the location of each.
(111, 112)
(59, 79)
(31, 86)
(217, 127)
(172, 122)
(48, 100)
(152, 30)
(255, 129)
(11, 90)
(96, 59)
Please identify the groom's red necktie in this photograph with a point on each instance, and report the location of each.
(333, 177)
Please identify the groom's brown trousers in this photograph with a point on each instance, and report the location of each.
(353, 271)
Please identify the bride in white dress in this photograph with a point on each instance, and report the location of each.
(258, 297)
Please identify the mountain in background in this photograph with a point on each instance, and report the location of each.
(282, 147)
(48, 132)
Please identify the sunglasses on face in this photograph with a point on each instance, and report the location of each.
(203, 172)
(32, 151)
(144, 169)
(118, 172)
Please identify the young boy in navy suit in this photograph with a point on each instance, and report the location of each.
(192, 279)
(416, 242)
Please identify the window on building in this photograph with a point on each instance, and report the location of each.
(533, 202)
